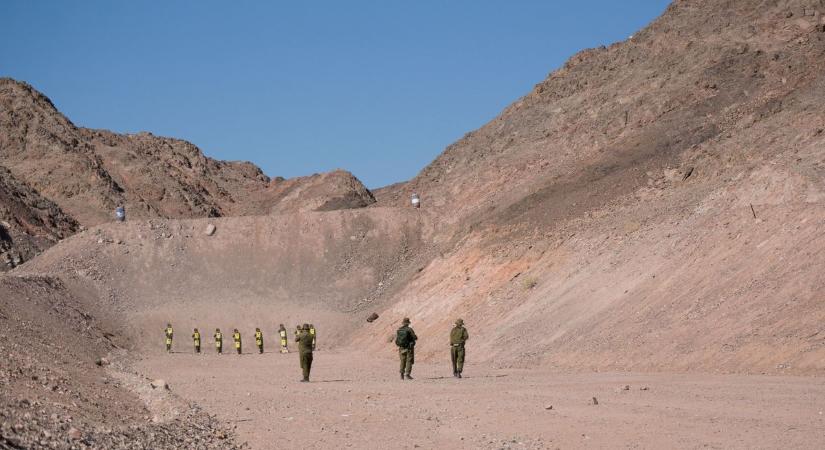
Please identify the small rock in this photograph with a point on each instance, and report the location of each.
(102, 362)
(626, 387)
(74, 434)
(644, 388)
(100, 241)
(548, 407)
(372, 317)
(210, 229)
(595, 401)
(159, 384)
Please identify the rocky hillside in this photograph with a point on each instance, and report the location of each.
(87, 173)
(655, 204)
(29, 223)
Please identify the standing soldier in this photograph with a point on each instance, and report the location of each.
(169, 332)
(405, 341)
(259, 340)
(298, 330)
(236, 336)
(282, 334)
(312, 333)
(458, 336)
(218, 340)
(196, 336)
(304, 340)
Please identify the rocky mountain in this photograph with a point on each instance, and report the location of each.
(87, 173)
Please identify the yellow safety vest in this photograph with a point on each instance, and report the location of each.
(237, 338)
(197, 337)
(169, 333)
(259, 337)
(283, 336)
(218, 339)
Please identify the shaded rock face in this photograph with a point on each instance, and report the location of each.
(29, 223)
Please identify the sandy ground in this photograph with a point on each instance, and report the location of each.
(357, 401)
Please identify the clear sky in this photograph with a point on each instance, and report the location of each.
(375, 87)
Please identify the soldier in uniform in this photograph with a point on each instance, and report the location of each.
(196, 337)
(282, 334)
(458, 336)
(236, 336)
(304, 340)
(259, 340)
(312, 333)
(405, 341)
(169, 332)
(218, 340)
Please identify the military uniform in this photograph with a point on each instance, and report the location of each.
(196, 337)
(304, 340)
(259, 340)
(236, 336)
(282, 334)
(458, 336)
(405, 341)
(169, 333)
(218, 340)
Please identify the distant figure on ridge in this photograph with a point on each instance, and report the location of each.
(259, 340)
(405, 341)
(236, 336)
(304, 340)
(458, 336)
(169, 333)
(218, 340)
(282, 334)
(196, 337)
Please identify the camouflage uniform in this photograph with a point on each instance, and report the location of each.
(406, 353)
(304, 340)
(458, 336)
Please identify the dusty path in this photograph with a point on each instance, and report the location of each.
(358, 401)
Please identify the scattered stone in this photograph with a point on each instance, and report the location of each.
(372, 317)
(548, 407)
(626, 387)
(595, 401)
(102, 361)
(74, 434)
(210, 229)
(644, 388)
(159, 384)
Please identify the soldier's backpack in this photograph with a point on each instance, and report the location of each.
(402, 337)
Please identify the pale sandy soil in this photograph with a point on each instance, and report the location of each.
(357, 401)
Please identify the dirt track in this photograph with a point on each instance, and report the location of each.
(357, 401)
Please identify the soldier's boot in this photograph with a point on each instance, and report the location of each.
(402, 375)
(409, 377)
(458, 374)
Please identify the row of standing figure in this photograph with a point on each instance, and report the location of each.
(237, 340)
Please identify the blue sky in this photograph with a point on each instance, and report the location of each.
(375, 87)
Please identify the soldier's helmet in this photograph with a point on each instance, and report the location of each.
(257, 329)
(196, 329)
(281, 325)
(305, 326)
(236, 330)
(406, 321)
(217, 330)
(459, 322)
(168, 325)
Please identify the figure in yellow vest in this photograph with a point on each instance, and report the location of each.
(196, 336)
(259, 340)
(282, 334)
(312, 333)
(169, 333)
(236, 336)
(218, 340)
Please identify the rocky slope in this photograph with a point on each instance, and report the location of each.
(29, 223)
